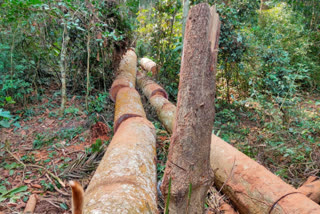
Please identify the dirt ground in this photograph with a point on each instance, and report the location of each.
(37, 154)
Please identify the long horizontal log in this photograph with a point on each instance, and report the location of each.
(149, 87)
(126, 74)
(251, 187)
(159, 100)
(128, 104)
(125, 181)
(259, 190)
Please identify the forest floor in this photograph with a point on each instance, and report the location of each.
(46, 150)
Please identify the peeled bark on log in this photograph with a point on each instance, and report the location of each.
(251, 187)
(31, 204)
(311, 188)
(166, 111)
(158, 98)
(149, 65)
(126, 74)
(128, 104)
(188, 168)
(125, 181)
(159, 101)
(149, 87)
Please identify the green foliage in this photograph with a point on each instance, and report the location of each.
(99, 103)
(31, 39)
(66, 134)
(276, 59)
(97, 147)
(13, 194)
(160, 38)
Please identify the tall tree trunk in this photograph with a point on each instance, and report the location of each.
(185, 15)
(188, 174)
(88, 70)
(65, 41)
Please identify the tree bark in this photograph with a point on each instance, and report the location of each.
(188, 173)
(186, 4)
(88, 70)
(149, 87)
(125, 181)
(158, 98)
(126, 73)
(251, 187)
(65, 41)
(128, 104)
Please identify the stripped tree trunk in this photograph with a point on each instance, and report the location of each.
(188, 173)
(251, 187)
(125, 181)
(65, 41)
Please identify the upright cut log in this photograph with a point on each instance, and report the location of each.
(128, 104)
(126, 73)
(125, 181)
(188, 171)
(149, 65)
(251, 187)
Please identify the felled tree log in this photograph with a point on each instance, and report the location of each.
(149, 65)
(251, 187)
(126, 74)
(125, 181)
(166, 111)
(188, 171)
(128, 104)
(159, 100)
(311, 188)
(149, 87)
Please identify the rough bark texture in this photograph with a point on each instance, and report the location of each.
(149, 65)
(128, 104)
(126, 73)
(125, 181)
(311, 188)
(251, 187)
(188, 168)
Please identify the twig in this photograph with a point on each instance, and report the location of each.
(56, 188)
(52, 203)
(32, 165)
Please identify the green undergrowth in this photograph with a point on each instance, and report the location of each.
(289, 150)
